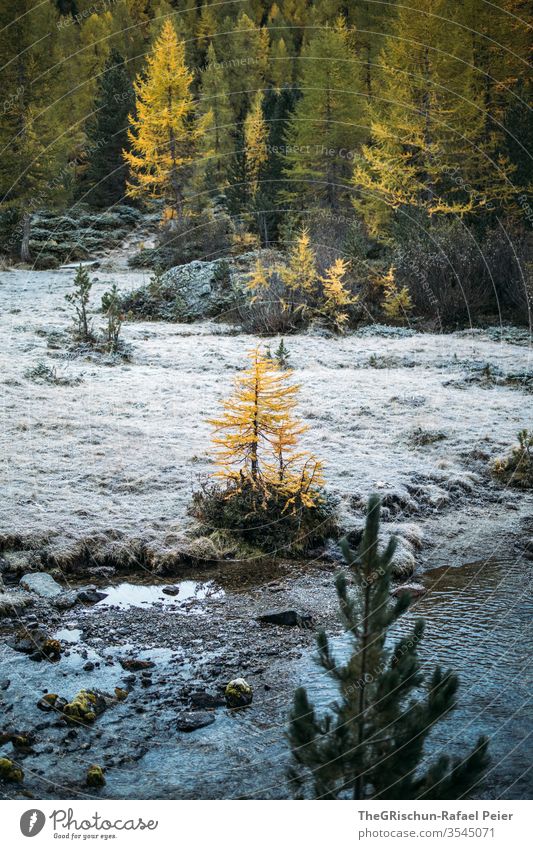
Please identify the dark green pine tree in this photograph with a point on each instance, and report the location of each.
(371, 744)
(67, 7)
(104, 182)
(278, 107)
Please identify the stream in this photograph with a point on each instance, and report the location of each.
(478, 622)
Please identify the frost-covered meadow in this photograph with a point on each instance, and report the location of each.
(117, 454)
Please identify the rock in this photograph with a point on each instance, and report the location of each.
(66, 600)
(120, 694)
(89, 666)
(289, 618)
(90, 595)
(414, 590)
(85, 707)
(4, 684)
(171, 590)
(12, 603)
(192, 720)
(136, 665)
(238, 693)
(51, 701)
(23, 742)
(10, 771)
(42, 584)
(37, 643)
(201, 699)
(95, 776)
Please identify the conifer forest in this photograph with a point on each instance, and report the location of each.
(266, 286)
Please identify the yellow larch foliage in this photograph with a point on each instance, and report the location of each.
(257, 436)
(258, 279)
(396, 301)
(255, 144)
(336, 295)
(300, 274)
(164, 130)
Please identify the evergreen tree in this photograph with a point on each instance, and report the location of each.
(219, 138)
(277, 107)
(79, 298)
(32, 143)
(108, 135)
(247, 46)
(430, 148)
(327, 123)
(370, 745)
(67, 7)
(165, 132)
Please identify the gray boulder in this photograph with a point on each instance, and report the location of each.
(204, 289)
(192, 720)
(289, 618)
(11, 603)
(42, 584)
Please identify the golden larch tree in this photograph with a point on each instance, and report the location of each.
(255, 144)
(336, 297)
(257, 436)
(165, 131)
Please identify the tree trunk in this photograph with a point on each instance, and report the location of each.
(25, 244)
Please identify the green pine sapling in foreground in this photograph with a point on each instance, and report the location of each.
(79, 298)
(111, 307)
(370, 745)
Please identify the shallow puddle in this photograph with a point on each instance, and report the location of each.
(124, 596)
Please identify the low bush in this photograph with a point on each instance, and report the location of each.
(457, 276)
(183, 240)
(259, 517)
(517, 468)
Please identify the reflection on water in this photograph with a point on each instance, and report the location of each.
(128, 595)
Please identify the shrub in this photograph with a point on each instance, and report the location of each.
(517, 468)
(456, 275)
(79, 298)
(185, 239)
(290, 295)
(112, 309)
(258, 516)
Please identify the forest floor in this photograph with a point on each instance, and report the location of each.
(102, 454)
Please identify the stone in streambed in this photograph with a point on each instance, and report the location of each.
(171, 590)
(42, 584)
(238, 693)
(201, 699)
(90, 595)
(192, 720)
(95, 776)
(36, 643)
(135, 665)
(12, 603)
(288, 618)
(10, 771)
(414, 590)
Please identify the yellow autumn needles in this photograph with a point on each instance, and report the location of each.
(306, 295)
(257, 437)
(165, 131)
